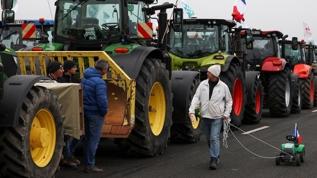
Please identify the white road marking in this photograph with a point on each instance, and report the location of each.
(255, 130)
(314, 110)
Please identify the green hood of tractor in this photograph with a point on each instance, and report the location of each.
(51, 46)
(110, 49)
(179, 63)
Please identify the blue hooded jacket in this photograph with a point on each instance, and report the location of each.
(95, 93)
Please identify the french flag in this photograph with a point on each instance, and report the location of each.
(299, 138)
(239, 10)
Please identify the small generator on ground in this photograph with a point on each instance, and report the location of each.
(293, 151)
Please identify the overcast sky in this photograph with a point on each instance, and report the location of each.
(284, 15)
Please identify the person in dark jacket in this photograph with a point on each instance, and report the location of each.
(71, 143)
(54, 70)
(70, 70)
(95, 110)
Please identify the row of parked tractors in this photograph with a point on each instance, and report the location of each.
(151, 81)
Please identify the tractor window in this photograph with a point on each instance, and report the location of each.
(136, 15)
(88, 20)
(195, 41)
(304, 55)
(225, 36)
(262, 48)
(293, 56)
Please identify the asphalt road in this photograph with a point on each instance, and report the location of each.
(181, 160)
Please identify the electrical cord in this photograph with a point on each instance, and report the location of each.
(227, 129)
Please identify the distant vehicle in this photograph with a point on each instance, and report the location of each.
(12, 33)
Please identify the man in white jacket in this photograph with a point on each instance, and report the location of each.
(215, 102)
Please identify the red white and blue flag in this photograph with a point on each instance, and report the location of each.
(239, 9)
(299, 138)
(307, 33)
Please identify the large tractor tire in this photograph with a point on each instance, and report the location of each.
(308, 92)
(34, 147)
(153, 110)
(297, 96)
(315, 82)
(279, 93)
(233, 77)
(254, 104)
(183, 130)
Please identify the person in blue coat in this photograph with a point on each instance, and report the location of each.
(95, 109)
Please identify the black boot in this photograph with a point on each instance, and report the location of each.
(213, 163)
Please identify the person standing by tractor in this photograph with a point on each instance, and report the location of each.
(95, 110)
(70, 70)
(215, 102)
(71, 143)
(54, 70)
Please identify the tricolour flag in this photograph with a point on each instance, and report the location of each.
(188, 9)
(239, 9)
(299, 138)
(307, 32)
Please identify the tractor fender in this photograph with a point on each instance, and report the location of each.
(181, 87)
(302, 70)
(131, 63)
(273, 64)
(15, 90)
(228, 62)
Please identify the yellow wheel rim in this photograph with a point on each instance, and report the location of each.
(196, 122)
(42, 138)
(157, 109)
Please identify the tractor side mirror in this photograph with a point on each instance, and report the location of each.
(294, 43)
(6, 4)
(8, 16)
(249, 39)
(178, 19)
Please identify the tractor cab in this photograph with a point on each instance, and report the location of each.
(294, 51)
(265, 45)
(310, 54)
(95, 24)
(198, 40)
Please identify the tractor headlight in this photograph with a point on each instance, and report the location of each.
(219, 57)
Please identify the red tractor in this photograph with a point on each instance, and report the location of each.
(300, 62)
(310, 53)
(280, 85)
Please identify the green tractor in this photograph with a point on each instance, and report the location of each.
(140, 76)
(198, 43)
(31, 134)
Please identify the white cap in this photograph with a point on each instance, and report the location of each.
(215, 70)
